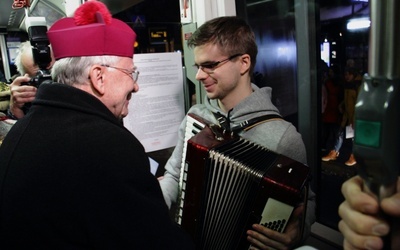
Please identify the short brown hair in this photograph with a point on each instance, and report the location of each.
(230, 33)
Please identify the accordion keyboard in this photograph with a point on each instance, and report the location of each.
(193, 127)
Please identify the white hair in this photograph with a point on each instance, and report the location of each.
(75, 70)
(25, 48)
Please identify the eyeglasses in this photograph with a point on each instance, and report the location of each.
(210, 67)
(133, 73)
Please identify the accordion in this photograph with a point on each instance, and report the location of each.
(229, 183)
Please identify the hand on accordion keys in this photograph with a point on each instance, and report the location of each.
(264, 238)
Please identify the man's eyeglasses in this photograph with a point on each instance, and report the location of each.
(210, 67)
(133, 73)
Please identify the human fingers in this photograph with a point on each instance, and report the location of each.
(20, 80)
(353, 241)
(352, 190)
(363, 224)
(262, 244)
(265, 238)
(391, 205)
(22, 94)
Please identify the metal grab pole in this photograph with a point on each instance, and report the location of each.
(377, 116)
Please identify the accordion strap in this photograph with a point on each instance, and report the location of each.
(263, 119)
(246, 125)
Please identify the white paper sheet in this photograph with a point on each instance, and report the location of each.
(156, 111)
(349, 132)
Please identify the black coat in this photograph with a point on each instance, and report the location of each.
(73, 177)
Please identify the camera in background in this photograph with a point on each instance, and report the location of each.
(41, 54)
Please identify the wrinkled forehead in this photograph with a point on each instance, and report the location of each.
(29, 64)
(27, 58)
(125, 62)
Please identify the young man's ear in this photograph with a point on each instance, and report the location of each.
(96, 78)
(246, 62)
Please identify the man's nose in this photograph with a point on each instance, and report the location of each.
(135, 87)
(201, 74)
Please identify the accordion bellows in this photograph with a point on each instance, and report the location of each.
(231, 183)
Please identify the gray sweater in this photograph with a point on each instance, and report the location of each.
(279, 136)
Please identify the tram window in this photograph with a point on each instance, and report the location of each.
(274, 25)
(347, 49)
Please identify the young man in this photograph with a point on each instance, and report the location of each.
(71, 175)
(225, 54)
(362, 224)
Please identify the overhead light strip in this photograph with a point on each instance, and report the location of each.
(258, 2)
(356, 24)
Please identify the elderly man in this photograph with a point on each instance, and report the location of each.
(22, 93)
(71, 176)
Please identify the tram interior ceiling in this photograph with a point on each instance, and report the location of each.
(152, 14)
(344, 43)
(12, 18)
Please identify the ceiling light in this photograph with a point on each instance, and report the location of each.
(361, 23)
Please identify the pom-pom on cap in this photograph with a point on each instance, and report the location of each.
(91, 32)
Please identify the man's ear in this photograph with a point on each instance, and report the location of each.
(246, 62)
(96, 78)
